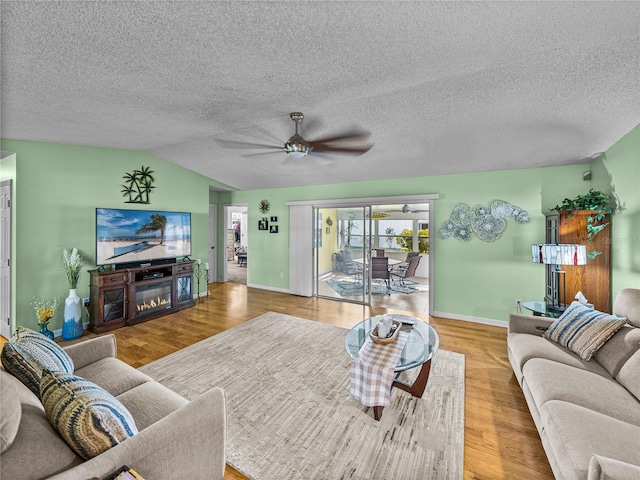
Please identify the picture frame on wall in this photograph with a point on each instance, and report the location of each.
(273, 229)
(263, 224)
(274, 219)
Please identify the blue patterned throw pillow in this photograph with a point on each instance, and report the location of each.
(28, 353)
(89, 418)
(583, 330)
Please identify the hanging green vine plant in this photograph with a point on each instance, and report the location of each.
(138, 186)
(593, 200)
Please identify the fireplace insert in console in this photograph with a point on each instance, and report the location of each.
(153, 297)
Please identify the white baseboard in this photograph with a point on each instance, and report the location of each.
(467, 318)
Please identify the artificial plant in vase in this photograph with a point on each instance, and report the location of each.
(72, 327)
(596, 201)
(45, 310)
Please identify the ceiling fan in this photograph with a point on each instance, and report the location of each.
(407, 209)
(298, 147)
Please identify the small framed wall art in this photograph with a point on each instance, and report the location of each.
(263, 224)
(273, 229)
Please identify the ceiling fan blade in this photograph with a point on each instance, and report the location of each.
(271, 152)
(352, 135)
(236, 144)
(340, 150)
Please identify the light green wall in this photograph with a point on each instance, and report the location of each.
(58, 188)
(475, 279)
(617, 172)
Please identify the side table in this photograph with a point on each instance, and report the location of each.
(541, 308)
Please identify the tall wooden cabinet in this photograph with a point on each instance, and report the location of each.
(594, 278)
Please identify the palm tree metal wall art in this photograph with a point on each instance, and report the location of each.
(138, 186)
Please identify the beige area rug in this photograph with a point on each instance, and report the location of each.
(290, 415)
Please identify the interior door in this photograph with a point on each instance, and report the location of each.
(5, 259)
(213, 230)
(341, 253)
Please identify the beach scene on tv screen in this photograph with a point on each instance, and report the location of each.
(124, 236)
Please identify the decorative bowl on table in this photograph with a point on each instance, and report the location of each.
(374, 334)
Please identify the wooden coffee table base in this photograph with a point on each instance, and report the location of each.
(416, 388)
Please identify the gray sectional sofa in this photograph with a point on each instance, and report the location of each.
(176, 438)
(587, 412)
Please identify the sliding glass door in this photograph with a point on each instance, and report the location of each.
(342, 252)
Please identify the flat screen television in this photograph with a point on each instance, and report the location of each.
(141, 236)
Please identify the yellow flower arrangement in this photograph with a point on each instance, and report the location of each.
(44, 309)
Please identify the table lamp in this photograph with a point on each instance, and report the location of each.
(559, 254)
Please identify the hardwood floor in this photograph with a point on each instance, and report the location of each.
(501, 441)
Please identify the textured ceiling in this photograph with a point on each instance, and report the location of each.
(443, 87)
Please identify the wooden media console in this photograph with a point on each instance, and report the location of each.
(133, 295)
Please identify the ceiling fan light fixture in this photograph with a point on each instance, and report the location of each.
(297, 147)
(296, 154)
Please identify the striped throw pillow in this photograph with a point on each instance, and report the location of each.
(28, 353)
(89, 418)
(583, 330)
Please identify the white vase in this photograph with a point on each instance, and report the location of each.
(72, 325)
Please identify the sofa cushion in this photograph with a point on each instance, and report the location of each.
(52, 454)
(38, 451)
(629, 377)
(151, 402)
(548, 380)
(627, 304)
(524, 347)
(28, 353)
(575, 433)
(11, 411)
(583, 330)
(603, 468)
(115, 376)
(89, 418)
(619, 349)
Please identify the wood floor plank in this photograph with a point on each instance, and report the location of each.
(501, 441)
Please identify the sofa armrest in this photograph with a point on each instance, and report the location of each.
(90, 351)
(603, 468)
(188, 443)
(531, 324)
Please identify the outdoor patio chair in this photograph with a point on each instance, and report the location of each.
(380, 269)
(347, 265)
(409, 271)
(405, 264)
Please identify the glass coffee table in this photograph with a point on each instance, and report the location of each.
(420, 348)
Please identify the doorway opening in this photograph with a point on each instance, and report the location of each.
(362, 254)
(236, 243)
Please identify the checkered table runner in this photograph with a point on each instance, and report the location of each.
(372, 371)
